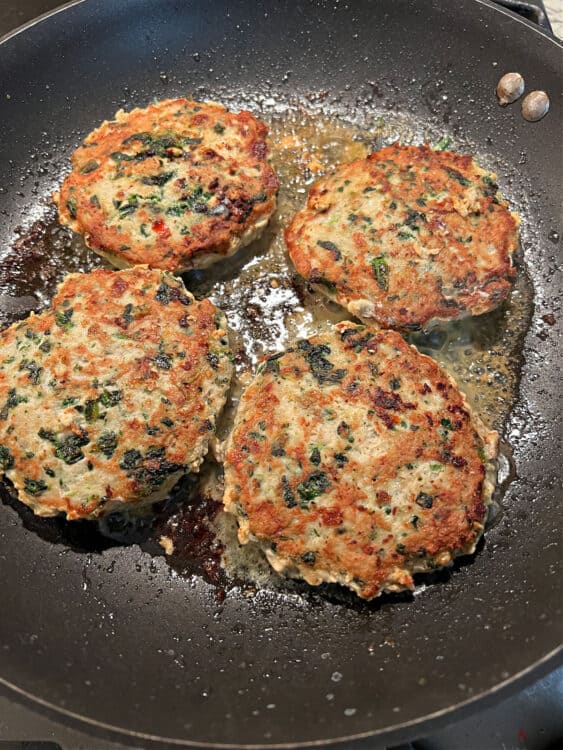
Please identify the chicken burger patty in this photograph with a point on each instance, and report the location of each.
(177, 185)
(108, 397)
(407, 237)
(355, 459)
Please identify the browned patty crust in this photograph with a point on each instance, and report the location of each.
(355, 459)
(112, 394)
(177, 185)
(406, 237)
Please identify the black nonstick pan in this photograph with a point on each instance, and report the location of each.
(110, 634)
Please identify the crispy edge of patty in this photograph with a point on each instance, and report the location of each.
(364, 288)
(399, 577)
(218, 237)
(165, 457)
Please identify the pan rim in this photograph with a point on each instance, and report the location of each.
(483, 700)
(519, 19)
(395, 732)
(487, 3)
(38, 19)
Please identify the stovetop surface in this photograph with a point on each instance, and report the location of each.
(532, 719)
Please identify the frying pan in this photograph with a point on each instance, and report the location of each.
(113, 637)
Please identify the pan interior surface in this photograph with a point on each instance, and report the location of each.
(114, 634)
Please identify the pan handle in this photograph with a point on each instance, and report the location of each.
(531, 11)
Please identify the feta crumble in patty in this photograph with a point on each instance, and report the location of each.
(177, 185)
(112, 394)
(355, 459)
(407, 237)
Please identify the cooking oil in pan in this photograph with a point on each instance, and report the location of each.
(268, 306)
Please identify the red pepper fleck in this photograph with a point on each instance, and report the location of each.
(331, 516)
(160, 227)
